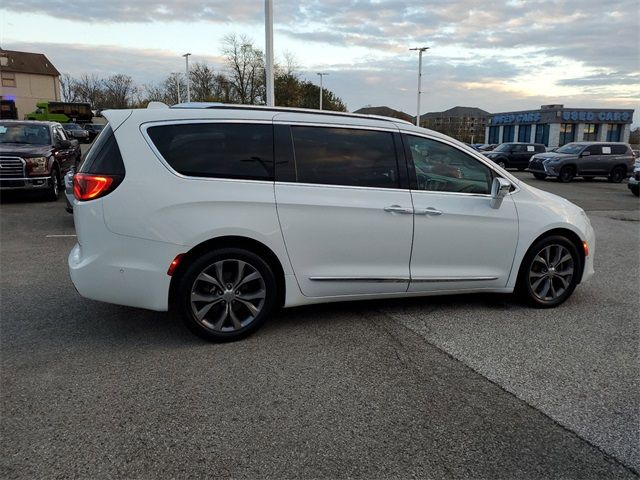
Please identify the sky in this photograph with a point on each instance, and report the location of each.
(497, 55)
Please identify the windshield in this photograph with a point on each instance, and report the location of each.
(503, 147)
(24, 133)
(572, 148)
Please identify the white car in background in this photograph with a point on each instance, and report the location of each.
(228, 212)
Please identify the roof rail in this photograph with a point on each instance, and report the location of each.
(229, 106)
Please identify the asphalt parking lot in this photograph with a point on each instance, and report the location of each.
(471, 386)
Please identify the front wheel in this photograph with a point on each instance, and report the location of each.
(566, 174)
(227, 294)
(53, 193)
(617, 174)
(549, 272)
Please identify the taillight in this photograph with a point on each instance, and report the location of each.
(87, 186)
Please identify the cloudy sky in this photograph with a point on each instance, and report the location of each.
(497, 55)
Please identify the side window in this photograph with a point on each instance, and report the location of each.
(345, 156)
(619, 150)
(540, 148)
(518, 148)
(218, 150)
(441, 167)
(594, 149)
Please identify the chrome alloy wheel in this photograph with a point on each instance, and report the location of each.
(227, 295)
(551, 272)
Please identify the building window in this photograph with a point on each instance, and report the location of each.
(566, 133)
(590, 132)
(524, 133)
(507, 133)
(494, 135)
(8, 79)
(542, 134)
(614, 132)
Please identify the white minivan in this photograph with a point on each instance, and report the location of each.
(228, 212)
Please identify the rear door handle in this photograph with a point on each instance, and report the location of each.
(398, 209)
(429, 211)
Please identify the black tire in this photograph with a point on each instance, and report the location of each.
(502, 163)
(617, 174)
(540, 176)
(53, 192)
(226, 331)
(566, 174)
(636, 191)
(529, 273)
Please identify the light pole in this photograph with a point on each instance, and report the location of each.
(268, 33)
(420, 50)
(321, 74)
(186, 58)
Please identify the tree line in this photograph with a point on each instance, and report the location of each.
(243, 82)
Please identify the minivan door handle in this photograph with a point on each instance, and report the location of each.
(429, 211)
(398, 209)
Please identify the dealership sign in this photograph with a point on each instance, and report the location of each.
(582, 116)
(527, 117)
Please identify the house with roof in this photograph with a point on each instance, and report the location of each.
(27, 78)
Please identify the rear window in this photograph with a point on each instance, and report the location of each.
(218, 150)
(104, 155)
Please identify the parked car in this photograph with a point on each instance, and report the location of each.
(93, 129)
(514, 154)
(613, 160)
(229, 212)
(76, 131)
(487, 147)
(634, 180)
(35, 155)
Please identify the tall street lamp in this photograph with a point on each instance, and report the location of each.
(268, 33)
(321, 74)
(186, 58)
(420, 50)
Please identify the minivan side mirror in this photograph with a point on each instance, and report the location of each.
(499, 189)
(586, 153)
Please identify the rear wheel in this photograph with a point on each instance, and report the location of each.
(540, 176)
(549, 272)
(566, 174)
(501, 163)
(227, 294)
(617, 174)
(53, 193)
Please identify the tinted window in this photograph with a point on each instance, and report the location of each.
(441, 167)
(220, 150)
(619, 149)
(539, 148)
(594, 150)
(343, 156)
(104, 156)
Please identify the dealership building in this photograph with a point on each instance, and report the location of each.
(555, 125)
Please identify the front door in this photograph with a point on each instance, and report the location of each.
(346, 223)
(459, 241)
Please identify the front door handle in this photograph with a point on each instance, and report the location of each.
(398, 209)
(429, 211)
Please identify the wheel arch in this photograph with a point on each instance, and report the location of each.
(570, 235)
(247, 243)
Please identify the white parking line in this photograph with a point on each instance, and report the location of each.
(59, 236)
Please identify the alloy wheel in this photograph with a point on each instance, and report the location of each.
(551, 272)
(228, 295)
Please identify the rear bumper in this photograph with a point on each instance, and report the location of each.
(31, 183)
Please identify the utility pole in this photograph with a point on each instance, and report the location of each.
(186, 57)
(420, 51)
(268, 32)
(321, 74)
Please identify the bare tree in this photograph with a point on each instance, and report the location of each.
(89, 89)
(202, 83)
(118, 91)
(175, 89)
(68, 88)
(247, 69)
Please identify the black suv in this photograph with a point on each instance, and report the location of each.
(515, 154)
(35, 155)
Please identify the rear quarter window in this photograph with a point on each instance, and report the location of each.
(620, 150)
(216, 150)
(104, 156)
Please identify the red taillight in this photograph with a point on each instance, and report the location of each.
(174, 264)
(87, 186)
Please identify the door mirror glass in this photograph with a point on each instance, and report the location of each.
(586, 153)
(499, 189)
